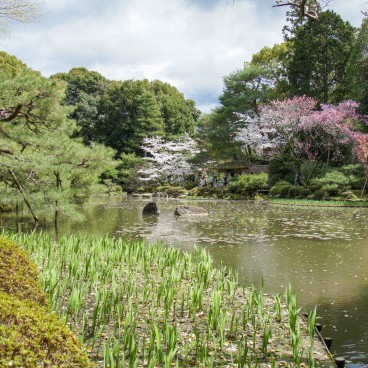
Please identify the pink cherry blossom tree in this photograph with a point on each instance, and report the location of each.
(296, 129)
(278, 123)
(361, 153)
(327, 134)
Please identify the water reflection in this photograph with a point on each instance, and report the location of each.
(321, 252)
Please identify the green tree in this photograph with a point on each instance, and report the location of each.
(244, 91)
(121, 113)
(84, 92)
(274, 61)
(216, 137)
(179, 114)
(128, 113)
(319, 57)
(40, 163)
(149, 122)
(126, 172)
(357, 69)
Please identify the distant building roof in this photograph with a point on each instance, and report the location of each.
(237, 164)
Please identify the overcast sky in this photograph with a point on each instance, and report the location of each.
(191, 44)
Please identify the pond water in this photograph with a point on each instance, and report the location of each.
(321, 252)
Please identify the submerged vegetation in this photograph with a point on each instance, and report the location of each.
(134, 304)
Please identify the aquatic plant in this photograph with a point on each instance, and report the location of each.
(135, 304)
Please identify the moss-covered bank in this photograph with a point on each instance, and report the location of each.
(31, 336)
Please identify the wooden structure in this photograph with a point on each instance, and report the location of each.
(240, 167)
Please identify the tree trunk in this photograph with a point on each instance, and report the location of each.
(26, 201)
(312, 173)
(365, 185)
(58, 186)
(325, 74)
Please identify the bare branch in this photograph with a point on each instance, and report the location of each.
(22, 11)
(306, 8)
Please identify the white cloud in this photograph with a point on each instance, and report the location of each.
(191, 44)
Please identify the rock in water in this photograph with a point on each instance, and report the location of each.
(150, 209)
(189, 210)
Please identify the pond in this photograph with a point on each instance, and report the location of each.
(321, 252)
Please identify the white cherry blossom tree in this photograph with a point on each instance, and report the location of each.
(168, 160)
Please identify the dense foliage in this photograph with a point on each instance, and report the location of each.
(319, 56)
(120, 114)
(55, 133)
(300, 105)
(41, 164)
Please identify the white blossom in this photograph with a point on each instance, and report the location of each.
(167, 159)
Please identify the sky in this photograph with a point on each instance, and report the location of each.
(191, 44)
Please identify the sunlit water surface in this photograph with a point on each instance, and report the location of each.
(321, 252)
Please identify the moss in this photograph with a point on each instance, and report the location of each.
(172, 192)
(30, 336)
(18, 274)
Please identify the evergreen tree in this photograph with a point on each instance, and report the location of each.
(244, 91)
(84, 92)
(319, 57)
(40, 163)
(121, 113)
(179, 114)
(149, 122)
(357, 69)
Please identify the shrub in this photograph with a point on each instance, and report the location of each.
(248, 185)
(334, 183)
(173, 192)
(18, 274)
(273, 179)
(176, 191)
(295, 192)
(30, 336)
(281, 189)
(320, 194)
(356, 175)
(305, 192)
(194, 192)
(216, 192)
(349, 195)
(213, 192)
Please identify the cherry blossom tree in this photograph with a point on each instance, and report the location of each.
(255, 137)
(23, 11)
(168, 160)
(295, 129)
(327, 134)
(361, 153)
(278, 122)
